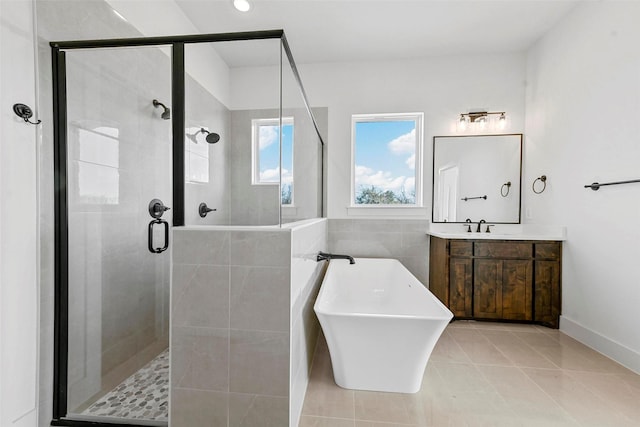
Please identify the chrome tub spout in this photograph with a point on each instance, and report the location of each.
(323, 256)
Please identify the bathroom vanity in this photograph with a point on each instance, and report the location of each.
(483, 278)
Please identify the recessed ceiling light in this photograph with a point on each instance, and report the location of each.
(242, 5)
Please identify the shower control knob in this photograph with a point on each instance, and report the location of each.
(203, 209)
(157, 208)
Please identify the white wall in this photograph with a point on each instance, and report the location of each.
(203, 62)
(583, 104)
(18, 220)
(441, 87)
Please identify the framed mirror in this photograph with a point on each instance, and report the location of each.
(477, 177)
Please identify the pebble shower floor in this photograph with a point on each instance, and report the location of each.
(142, 396)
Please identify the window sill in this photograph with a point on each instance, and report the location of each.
(289, 210)
(388, 211)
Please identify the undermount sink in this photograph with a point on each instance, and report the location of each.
(522, 232)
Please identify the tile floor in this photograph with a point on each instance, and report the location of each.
(142, 396)
(488, 374)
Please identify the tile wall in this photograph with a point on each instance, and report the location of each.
(259, 204)
(250, 204)
(402, 239)
(306, 278)
(203, 110)
(243, 328)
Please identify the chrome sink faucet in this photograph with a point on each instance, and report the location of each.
(482, 221)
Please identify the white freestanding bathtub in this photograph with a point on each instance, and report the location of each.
(381, 324)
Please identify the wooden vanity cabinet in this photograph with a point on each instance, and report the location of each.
(497, 280)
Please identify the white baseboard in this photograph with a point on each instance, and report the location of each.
(612, 349)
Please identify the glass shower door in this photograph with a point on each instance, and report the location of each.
(119, 157)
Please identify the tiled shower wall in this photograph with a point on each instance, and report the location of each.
(259, 204)
(230, 327)
(306, 278)
(402, 239)
(203, 110)
(240, 302)
(249, 204)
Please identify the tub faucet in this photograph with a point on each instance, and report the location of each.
(323, 256)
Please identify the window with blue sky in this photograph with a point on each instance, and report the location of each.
(386, 167)
(266, 155)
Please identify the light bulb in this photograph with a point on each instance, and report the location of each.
(242, 5)
(502, 122)
(482, 122)
(462, 124)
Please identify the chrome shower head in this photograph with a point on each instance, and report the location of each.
(166, 114)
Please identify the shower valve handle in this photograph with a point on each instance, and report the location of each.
(203, 210)
(157, 208)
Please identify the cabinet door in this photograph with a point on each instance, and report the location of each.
(487, 291)
(547, 292)
(439, 269)
(503, 289)
(460, 287)
(517, 289)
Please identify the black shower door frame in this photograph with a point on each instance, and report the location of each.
(61, 214)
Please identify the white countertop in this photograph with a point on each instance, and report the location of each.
(498, 232)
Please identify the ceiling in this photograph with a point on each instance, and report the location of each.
(374, 30)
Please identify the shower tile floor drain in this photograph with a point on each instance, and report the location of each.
(143, 396)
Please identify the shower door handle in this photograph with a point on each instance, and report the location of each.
(153, 249)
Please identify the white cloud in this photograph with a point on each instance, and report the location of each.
(411, 161)
(410, 185)
(273, 175)
(382, 179)
(268, 135)
(404, 143)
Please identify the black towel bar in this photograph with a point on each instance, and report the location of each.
(471, 198)
(596, 186)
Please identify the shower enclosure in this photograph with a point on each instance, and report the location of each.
(149, 134)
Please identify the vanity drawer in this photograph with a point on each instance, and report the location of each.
(460, 248)
(503, 249)
(547, 250)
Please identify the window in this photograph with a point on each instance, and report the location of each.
(98, 165)
(386, 159)
(265, 154)
(196, 156)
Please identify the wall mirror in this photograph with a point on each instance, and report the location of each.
(477, 177)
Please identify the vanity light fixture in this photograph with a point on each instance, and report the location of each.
(481, 119)
(242, 5)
